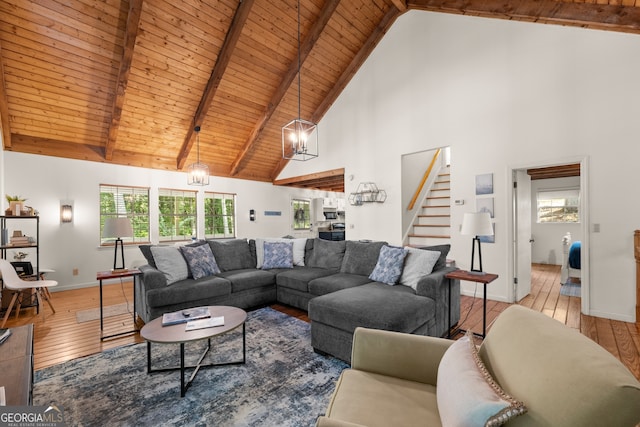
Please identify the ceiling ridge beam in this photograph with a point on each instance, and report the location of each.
(372, 41)
(131, 33)
(4, 109)
(601, 16)
(314, 34)
(219, 69)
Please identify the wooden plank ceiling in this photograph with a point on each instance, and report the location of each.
(126, 81)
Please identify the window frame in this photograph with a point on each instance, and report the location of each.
(139, 218)
(177, 217)
(306, 209)
(564, 200)
(228, 219)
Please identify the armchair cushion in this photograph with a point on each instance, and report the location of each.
(467, 395)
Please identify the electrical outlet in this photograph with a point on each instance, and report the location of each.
(75, 271)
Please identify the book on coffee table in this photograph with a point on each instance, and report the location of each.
(186, 315)
(192, 325)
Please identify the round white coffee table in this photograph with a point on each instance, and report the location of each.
(154, 332)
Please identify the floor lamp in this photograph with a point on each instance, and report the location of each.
(476, 224)
(117, 227)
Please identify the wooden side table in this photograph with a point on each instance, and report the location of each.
(16, 365)
(485, 279)
(117, 274)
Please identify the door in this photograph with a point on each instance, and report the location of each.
(522, 233)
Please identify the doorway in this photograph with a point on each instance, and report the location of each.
(522, 220)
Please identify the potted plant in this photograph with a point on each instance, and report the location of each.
(16, 203)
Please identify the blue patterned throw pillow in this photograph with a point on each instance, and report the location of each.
(389, 267)
(278, 255)
(200, 260)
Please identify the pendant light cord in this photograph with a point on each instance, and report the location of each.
(299, 90)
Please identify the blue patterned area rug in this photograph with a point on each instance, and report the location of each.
(283, 383)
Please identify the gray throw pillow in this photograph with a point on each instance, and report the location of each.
(169, 260)
(326, 254)
(360, 257)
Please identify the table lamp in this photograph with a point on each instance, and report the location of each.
(476, 224)
(117, 227)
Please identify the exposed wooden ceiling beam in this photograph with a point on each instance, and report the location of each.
(72, 150)
(332, 178)
(401, 5)
(305, 48)
(348, 73)
(4, 109)
(131, 32)
(602, 16)
(229, 45)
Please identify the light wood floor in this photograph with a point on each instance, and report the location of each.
(58, 337)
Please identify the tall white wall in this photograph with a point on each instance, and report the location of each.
(502, 95)
(45, 181)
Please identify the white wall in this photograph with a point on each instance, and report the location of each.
(45, 181)
(502, 95)
(548, 247)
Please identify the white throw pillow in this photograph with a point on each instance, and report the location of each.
(170, 261)
(467, 395)
(418, 263)
(298, 249)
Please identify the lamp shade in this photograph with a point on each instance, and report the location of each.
(117, 227)
(477, 224)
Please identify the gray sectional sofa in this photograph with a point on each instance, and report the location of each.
(331, 280)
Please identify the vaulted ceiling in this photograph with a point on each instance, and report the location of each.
(126, 81)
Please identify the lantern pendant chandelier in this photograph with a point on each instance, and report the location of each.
(299, 137)
(198, 173)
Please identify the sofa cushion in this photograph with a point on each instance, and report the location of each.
(146, 252)
(298, 249)
(170, 261)
(417, 264)
(189, 290)
(327, 254)
(401, 310)
(442, 259)
(250, 278)
(360, 257)
(336, 282)
(232, 254)
(278, 255)
(389, 266)
(298, 278)
(467, 395)
(200, 260)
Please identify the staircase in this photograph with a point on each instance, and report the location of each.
(432, 226)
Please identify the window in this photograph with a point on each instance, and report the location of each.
(301, 214)
(132, 202)
(219, 215)
(177, 214)
(560, 205)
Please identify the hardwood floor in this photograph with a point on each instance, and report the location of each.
(58, 337)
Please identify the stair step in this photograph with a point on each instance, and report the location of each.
(432, 225)
(440, 189)
(442, 182)
(436, 206)
(432, 236)
(437, 197)
(435, 216)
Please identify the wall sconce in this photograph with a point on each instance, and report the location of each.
(252, 215)
(66, 213)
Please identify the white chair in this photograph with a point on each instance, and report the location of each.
(12, 282)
